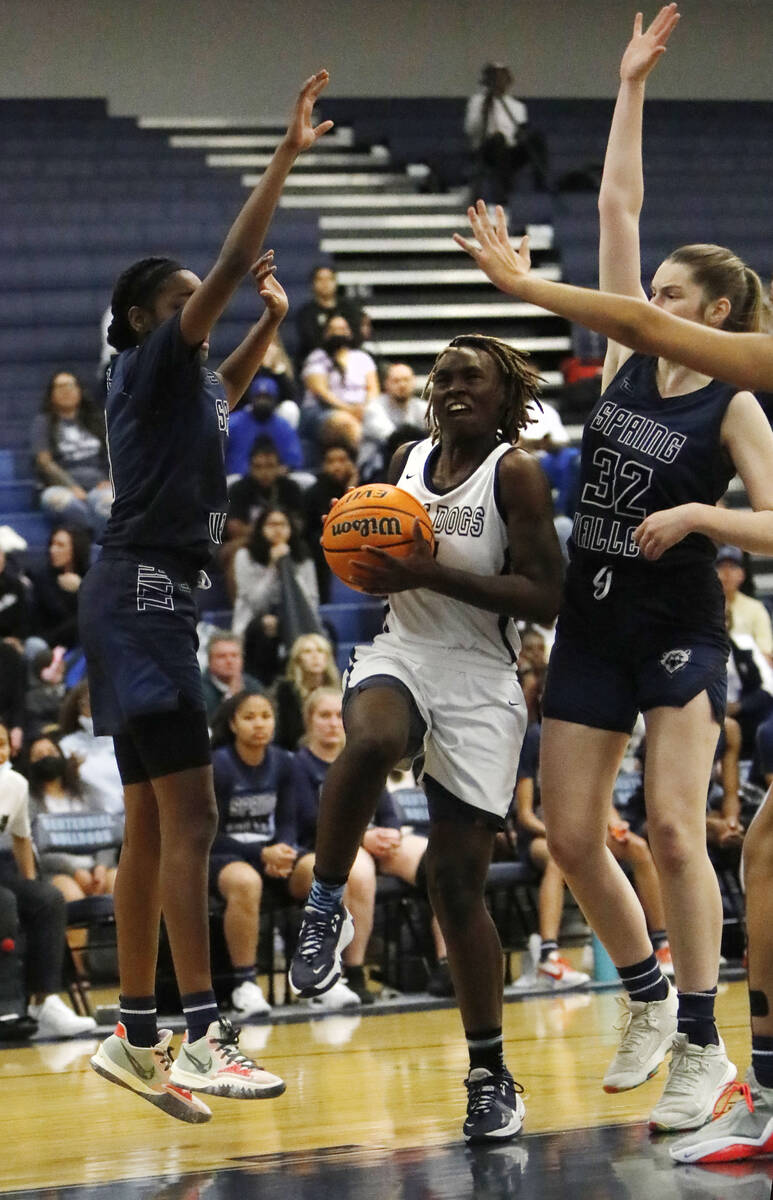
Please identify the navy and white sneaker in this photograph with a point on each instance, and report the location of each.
(316, 964)
(495, 1110)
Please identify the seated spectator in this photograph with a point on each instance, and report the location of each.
(45, 692)
(225, 675)
(749, 688)
(36, 907)
(272, 572)
(546, 436)
(531, 841)
(338, 378)
(745, 614)
(278, 371)
(13, 691)
(55, 787)
(324, 742)
(264, 485)
(310, 665)
(68, 446)
(397, 405)
(725, 825)
(255, 792)
(55, 587)
(497, 126)
(259, 419)
(313, 316)
(337, 474)
(14, 602)
(100, 779)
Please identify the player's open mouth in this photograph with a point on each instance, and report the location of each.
(457, 406)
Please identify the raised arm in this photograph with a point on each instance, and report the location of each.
(239, 368)
(743, 359)
(622, 185)
(245, 238)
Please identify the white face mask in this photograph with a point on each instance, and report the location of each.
(87, 725)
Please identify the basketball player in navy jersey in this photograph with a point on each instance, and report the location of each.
(642, 624)
(442, 676)
(167, 420)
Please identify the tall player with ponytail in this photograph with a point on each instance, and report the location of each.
(167, 418)
(442, 677)
(643, 615)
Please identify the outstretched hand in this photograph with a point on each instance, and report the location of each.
(269, 288)
(301, 133)
(494, 253)
(645, 48)
(380, 572)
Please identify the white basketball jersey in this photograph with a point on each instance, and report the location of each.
(471, 536)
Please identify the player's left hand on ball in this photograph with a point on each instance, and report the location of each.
(381, 572)
(661, 530)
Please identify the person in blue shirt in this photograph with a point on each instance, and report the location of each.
(258, 418)
(255, 792)
(167, 419)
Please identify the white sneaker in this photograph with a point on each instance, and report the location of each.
(338, 996)
(248, 1000)
(697, 1075)
(648, 1031)
(215, 1065)
(55, 1019)
(558, 974)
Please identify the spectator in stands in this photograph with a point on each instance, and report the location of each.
(337, 474)
(14, 602)
(749, 688)
(725, 827)
(277, 369)
(271, 571)
(745, 614)
(324, 742)
(497, 126)
(56, 586)
(313, 316)
(35, 906)
(310, 665)
(339, 379)
(68, 445)
(13, 688)
(100, 778)
(547, 437)
(552, 969)
(55, 787)
(255, 792)
(45, 692)
(265, 484)
(397, 405)
(258, 418)
(225, 676)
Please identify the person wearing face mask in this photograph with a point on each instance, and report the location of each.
(100, 779)
(55, 787)
(259, 418)
(339, 379)
(33, 906)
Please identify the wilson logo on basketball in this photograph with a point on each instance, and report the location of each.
(367, 526)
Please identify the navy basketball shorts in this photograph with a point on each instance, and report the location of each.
(615, 659)
(138, 632)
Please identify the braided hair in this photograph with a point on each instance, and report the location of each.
(136, 286)
(521, 383)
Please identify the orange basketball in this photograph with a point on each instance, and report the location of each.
(377, 514)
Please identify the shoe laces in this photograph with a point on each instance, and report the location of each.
(633, 1027)
(228, 1045)
(732, 1093)
(683, 1070)
(315, 926)
(164, 1057)
(484, 1093)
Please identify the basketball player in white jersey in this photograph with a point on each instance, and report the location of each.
(441, 678)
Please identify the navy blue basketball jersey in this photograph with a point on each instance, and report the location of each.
(255, 804)
(167, 423)
(642, 454)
